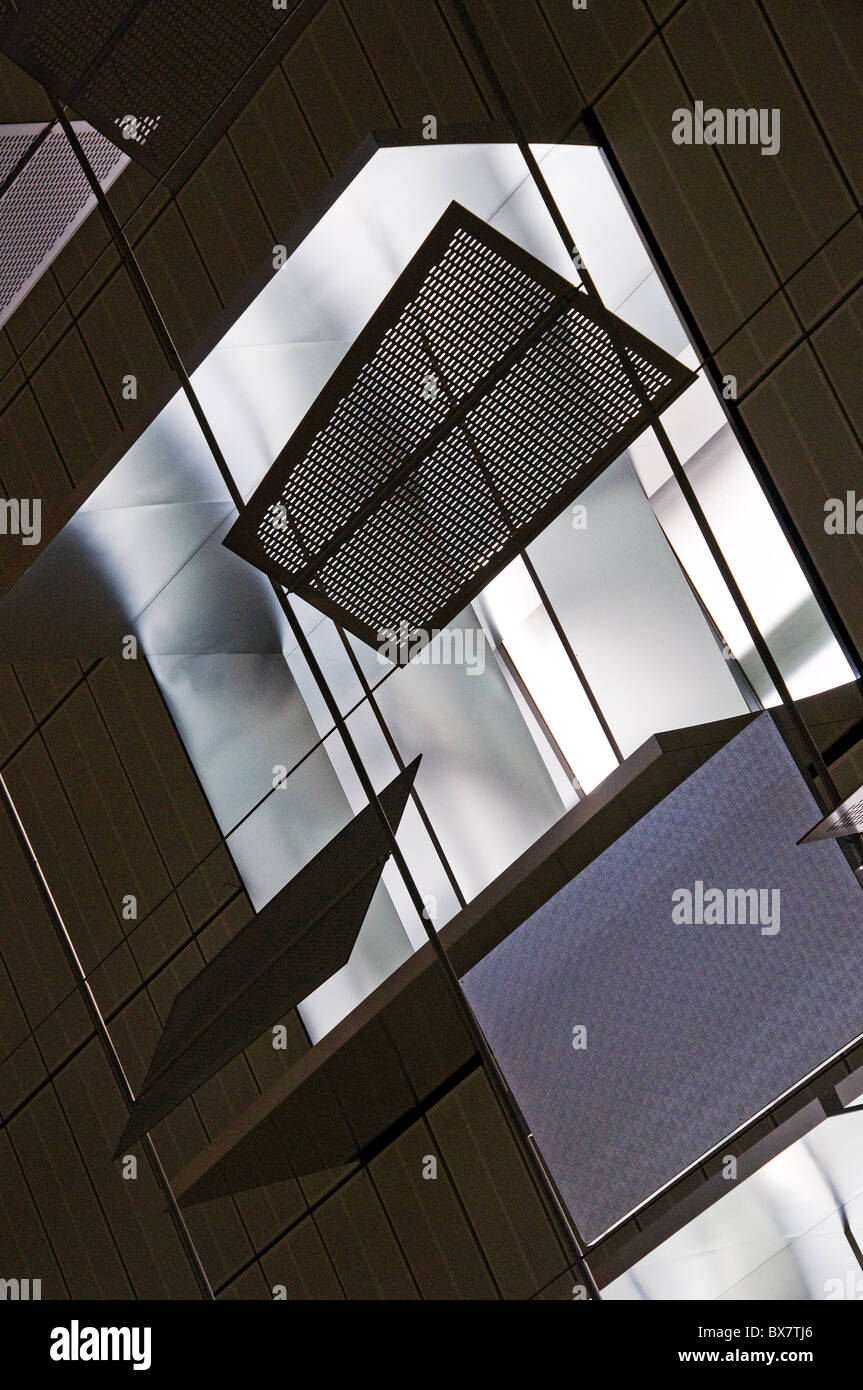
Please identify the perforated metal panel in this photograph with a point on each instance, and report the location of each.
(847, 819)
(174, 66)
(483, 395)
(45, 202)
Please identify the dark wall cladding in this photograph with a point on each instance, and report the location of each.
(692, 1026)
(111, 805)
(151, 74)
(767, 254)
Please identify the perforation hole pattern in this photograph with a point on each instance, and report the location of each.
(471, 307)
(169, 63)
(42, 204)
(462, 431)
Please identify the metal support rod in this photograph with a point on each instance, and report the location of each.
(562, 1221)
(400, 763)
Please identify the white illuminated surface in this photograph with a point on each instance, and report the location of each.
(751, 539)
(525, 629)
(778, 1234)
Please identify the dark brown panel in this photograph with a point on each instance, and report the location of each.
(104, 805)
(176, 273)
(812, 456)
(16, 721)
(22, 98)
(836, 269)
(839, 347)
(91, 918)
(134, 1207)
(336, 88)
(24, 1245)
(158, 767)
(247, 1286)
(76, 404)
(417, 62)
(21, 1074)
(529, 63)
(64, 1194)
(498, 1194)
(599, 39)
(66, 1028)
(686, 198)
(216, 1228)
(35, 311)
(32, 468)
(361, 1245)
(32, 954)
(823, 40)
(431, 1227)
(279, 155)
(164, 932)
(770, 333)
(121, 341)
(795, 197)
(47, 683)
(301, 1265)
(225, 222)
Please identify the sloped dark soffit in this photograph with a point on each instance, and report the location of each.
(294, 944)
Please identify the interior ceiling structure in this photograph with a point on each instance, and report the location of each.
(112, 769)
(484, 394)
(162, 76)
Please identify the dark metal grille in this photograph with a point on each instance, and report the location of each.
(483, 395)
(45, 202)
(174, 65)
(847, 819)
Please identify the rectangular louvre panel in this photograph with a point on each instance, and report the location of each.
(483, 395)
(46, 201)
(177, 66)
(303, 936)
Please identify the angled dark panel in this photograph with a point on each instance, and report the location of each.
(44, 198)
(302, 937)
(483, 395)
(182, 69)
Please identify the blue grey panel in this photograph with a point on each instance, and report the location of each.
(691, 1029)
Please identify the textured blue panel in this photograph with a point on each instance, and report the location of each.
(691, 1029)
